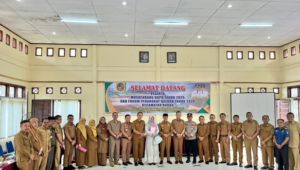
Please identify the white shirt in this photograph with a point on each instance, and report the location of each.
(200, 93)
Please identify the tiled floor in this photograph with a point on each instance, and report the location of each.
(184, 166)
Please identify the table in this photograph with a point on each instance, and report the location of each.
(11, 166)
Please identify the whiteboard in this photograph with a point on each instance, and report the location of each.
(258, 104)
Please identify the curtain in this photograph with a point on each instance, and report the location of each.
(66, 107)
(12, 112)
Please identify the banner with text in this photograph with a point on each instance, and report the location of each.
(157, 97)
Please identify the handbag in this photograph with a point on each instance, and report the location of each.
(157, 140)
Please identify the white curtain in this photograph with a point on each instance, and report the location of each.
(66, 107)
(12, 112)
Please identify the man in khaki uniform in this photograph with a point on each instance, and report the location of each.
(45, 142)
(237, 140)
(70, 141)
(203, 142)
(114, 128)
(266, 139)
(165, 130)
(225, 130)
(126, 129)
(294, 129)
(24, 147)
(178, 129)
(59, 141)
(250, 129)
(213, 139)
(138, 127)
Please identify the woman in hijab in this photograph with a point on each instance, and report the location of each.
(34, 123)
(92, 145)
(81, 142)
(151, 151)
(102, 141)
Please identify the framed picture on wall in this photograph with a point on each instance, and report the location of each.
(144, 57)
(171, 57)
(285, 53)
(293, 51)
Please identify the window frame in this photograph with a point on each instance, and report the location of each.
(7, 85)
(64, 52)
(62, 88)
(7, 38)
(264, 55)
(86, 53)
(20, 46)
(239, 89)
(26, 49)
(14, 44)
(48, 52)
(238, 55)
(287, 53)
(1, 36)
(263, 88)
(36, 48)
(292, 51)
(289, 91)
(70, 52)
(276, 88)
(274, 55)
(231, 55)
(250, 88)
(249, 55)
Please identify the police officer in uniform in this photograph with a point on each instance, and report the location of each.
(225, 131)
(190, 138)
(281, 140)
(178, 129)
(250, 129)
(165, 130)
(213, 139)
(237, 140)
(266, 133)
(202, 135)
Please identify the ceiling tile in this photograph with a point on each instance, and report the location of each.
(190, 12)
(78, 2)
(73, 8)
(207, 4)
(31, 7)
(230, 13)
(116, 3)
(281, 6)
(154, 3)
(247, 5)
(110, 10)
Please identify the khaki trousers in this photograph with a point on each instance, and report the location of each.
(178, 145)
(69, 148)
(225, 149)
(268, 152)
(114, 150)
(237, 146)
(294, 158)
(138, 149)
(126, 149)
(165, 145)
(251, 144)
(57, 157)
(213, 148)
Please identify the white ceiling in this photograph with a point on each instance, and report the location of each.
(36, 20)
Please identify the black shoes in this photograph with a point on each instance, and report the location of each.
(241, 165)
(169, 162)
(180, 162)
(66, 168)
(207, 162)
(176, 162)
(200, 161)
(223, 162)
(141, 163)
(136, 164)
(188, 160)
(248, 166)
(216, 163)
(161, 162)
(255, 167)
(194, 161)
(210, 160)
(71, 167)
(125, 164)
(129, 163)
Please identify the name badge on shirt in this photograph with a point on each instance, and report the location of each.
(50, 136)
(283, 131)
(125, 129)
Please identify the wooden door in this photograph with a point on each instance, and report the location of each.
(282, 108)
(41, 109)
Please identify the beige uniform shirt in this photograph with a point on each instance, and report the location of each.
(70, 129)
(58, 130)
(214, 128)
(114, 126)
(265, 131)
(23, 146)
(165, 128)
(294, 129)
(178, 125)
(45, 138)
(138, 126)
(250, 127)
(236, 129)
(127, 128)
(225, 127)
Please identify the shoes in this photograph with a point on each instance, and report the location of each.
(66, 168)
(241, 165)
(264, 168)
(210, 160)
(150, 164)
(161, 162)
(169, 162)
(135, 164)
(176, 162)
(153, 163)
(200, 161)
(207, 162)
(125, 164)
(255, 167)
(117, 163)
(129, 163)
(194, 160)
(216, 163)
(71, 167)
(112, 165)
(141, 163)
(233, 163)
(248, 166)
(180, 162)
(188, 160)
(223, 162)
(229, 164)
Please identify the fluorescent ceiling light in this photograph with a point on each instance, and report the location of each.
(124, 3)
(256, 25)
(170, 23)
(79, 21)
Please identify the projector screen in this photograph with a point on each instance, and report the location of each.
(258, 103)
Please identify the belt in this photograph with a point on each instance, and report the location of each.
(223, 135)
(212, 135)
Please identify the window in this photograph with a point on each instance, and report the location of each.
(2, 90)
(49, 90)
(20, 92)
(238, 90)
(251, 55)
(61, 52)
(229, 55)
(66, 107)
(83, 53)
(77, 90)
(276, 90)
(295, 108)
(20, 46)
(262, 55)
(38, 51)
(72, 52)
(50, 52)
(11, 91)
(263, 90)
(285, 53)
(26, 49)
(293, 51)
(12, 111)
(63, 90)
(272, 55)
(250, 89)
(294, 92)
(14, 43)
(35, 90)
(239, 55)
(1, 35)
(7, 39)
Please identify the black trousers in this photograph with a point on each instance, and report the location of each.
(282, 157)
(189, 144)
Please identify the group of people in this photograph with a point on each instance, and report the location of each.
(40, 148)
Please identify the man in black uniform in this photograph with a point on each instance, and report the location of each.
(51, 156)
